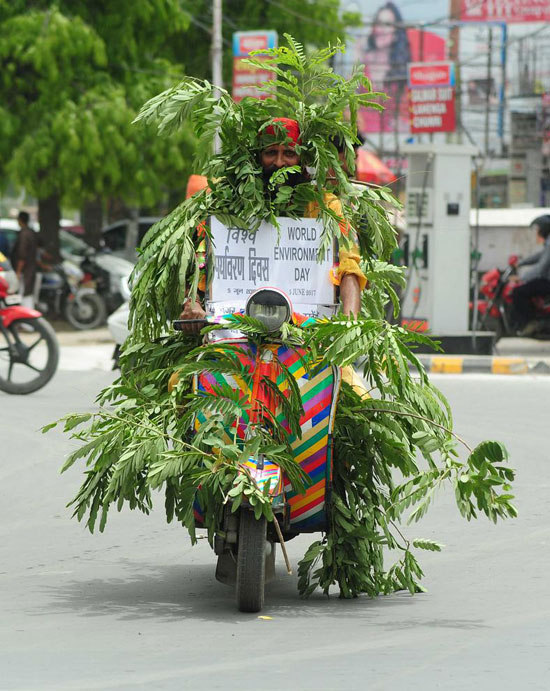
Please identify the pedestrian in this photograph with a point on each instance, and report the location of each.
(23, 258)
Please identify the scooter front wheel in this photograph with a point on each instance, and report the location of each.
(251, 562)
(29, 354)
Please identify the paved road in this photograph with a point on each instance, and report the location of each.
(138, 608)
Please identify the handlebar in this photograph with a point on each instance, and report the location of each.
(179, 324)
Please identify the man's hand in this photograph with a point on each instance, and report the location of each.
(350, 294)
(192, 310)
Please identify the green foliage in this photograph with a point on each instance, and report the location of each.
(141, 441)
(71, 81)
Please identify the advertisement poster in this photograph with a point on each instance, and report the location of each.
(246, 261)
(432, 97)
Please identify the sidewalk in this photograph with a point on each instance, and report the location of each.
(512, 355)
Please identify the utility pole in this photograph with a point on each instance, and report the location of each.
(488, 91)
(502, 98)
(217, 54)
(217, 79)
(454, 54)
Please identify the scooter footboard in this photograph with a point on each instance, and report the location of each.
(313, 450)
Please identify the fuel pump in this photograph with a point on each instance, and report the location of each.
(437, 242)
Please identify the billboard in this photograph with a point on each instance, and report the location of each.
(432, 97)
(394, 34)
(508, 11)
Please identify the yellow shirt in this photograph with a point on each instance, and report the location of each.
(349, 259)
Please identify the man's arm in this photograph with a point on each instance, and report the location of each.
(350, 294)
(541, 268)
(531, 259)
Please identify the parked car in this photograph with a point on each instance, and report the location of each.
(125, 236)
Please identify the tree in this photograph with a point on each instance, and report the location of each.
(72, 79)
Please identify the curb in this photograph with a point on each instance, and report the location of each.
(451, 364)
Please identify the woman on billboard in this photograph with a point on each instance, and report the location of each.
(389, 47)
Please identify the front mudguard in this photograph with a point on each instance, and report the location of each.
(15, 312)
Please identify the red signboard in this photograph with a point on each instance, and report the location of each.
(432, 97)
(431, 74)
(505, 11)
(432, 109)
(248, 43)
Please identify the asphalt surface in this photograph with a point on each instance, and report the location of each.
(138, 608)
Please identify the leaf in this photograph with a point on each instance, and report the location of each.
(430, 545)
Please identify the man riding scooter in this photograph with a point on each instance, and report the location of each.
(264, 389)
(536, 280)
(273, 158)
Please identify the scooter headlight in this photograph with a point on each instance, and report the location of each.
(269, 306)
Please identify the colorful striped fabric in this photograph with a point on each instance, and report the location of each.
(312, 450)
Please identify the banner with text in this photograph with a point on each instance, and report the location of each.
(247, 77)
(432, 97)
(245, 261)
(509, 11)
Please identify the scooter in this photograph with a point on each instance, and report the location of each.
(245, 545)
(29, 352)
(495, 306)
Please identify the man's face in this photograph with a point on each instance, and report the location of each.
(277, 156)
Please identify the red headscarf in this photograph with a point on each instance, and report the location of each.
(291, 126)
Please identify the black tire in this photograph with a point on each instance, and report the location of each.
(251, 562)
(87, 311)
(26, 334)
(489, 323)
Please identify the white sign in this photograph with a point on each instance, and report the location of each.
(245, 261)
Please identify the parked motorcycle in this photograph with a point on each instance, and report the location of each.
(108, 275)
(63, 292)
(29, 352)
(245, 545)
(495, 306)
